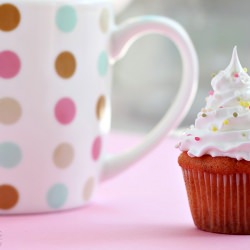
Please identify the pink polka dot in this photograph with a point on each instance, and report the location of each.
(65, 111)
(9, 64)
(96, 148)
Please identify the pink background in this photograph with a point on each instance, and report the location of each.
(144, 208)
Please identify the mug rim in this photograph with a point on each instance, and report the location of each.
(71, 2)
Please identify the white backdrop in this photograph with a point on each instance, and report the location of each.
(120, 5)
(152, 67)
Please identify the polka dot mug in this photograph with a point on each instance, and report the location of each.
(55, 81)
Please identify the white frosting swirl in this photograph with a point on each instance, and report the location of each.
(222, 128)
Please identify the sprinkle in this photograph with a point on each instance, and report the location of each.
(244, 104)
(236, 75)
(226, 122)
(235, 114)
(188, 134)
(204, 115)
(244, 134)
(211, 92)
(214, 129)
(221, 107)
(197, 138)
(245, 69)
(213, 75)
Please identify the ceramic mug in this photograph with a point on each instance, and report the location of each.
(55, 82)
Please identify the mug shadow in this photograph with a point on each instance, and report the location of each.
(100, 225)
(109, 234)
(151, 236)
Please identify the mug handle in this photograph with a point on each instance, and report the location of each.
(121, 39)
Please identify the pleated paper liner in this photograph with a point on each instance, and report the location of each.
(219, 203)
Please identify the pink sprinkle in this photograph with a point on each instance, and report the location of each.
(188, 134)
(211, 92)
(236, 75)
(197, 138)
(221, 107)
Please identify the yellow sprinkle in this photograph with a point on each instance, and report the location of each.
(226, 122)
(244, 104)
(214, 129)
(213, 75)
(245, 69)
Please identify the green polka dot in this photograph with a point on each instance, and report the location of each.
(103, 64)
(10, 155)
(57, 196)
(66, 18)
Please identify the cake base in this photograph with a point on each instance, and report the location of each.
(219, 198)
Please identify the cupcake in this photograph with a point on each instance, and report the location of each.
(215, 158)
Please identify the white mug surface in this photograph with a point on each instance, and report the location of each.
(55, 110)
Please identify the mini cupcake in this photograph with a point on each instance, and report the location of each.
(215, 157)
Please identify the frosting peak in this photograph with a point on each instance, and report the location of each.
(233, 76)
(222, 128)
(234, 65)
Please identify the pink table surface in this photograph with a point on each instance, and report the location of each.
(144, 208)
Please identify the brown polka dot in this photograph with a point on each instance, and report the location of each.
(10, 111)
(8, 197)
(104, 21)
(9, 17)
(88, 189)
(65, 64)
(100, 107)
(63, 155)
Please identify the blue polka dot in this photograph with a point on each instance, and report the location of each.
(57, 195)
(10, 155)
(103, 64)
(66, 18)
